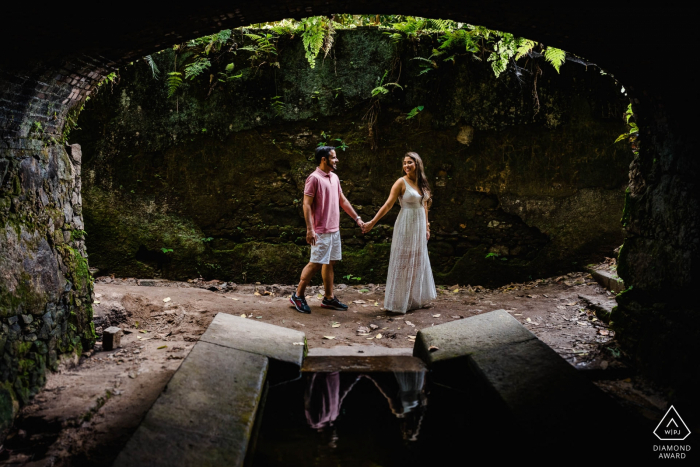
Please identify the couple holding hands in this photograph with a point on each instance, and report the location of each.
(409, 283)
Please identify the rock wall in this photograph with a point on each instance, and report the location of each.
(215, 173)
(46, 288)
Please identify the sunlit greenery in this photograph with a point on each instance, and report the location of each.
(499, 49)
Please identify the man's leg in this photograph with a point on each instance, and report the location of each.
(307, 274)
(328, 276)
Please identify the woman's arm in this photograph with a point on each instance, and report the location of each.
(396, 191)
(427, 224)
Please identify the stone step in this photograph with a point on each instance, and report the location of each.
(283, 346)
(206, 413)
(540, 391)
(608, 280)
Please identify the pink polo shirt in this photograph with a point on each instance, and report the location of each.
(325, 189)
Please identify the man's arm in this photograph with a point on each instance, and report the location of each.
(309, 218)
(347, 207)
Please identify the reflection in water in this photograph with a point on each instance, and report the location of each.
(325, 393)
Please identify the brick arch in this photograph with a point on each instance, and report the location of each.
(55, 55)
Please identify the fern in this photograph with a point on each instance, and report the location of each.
(313, 38)
(152, 64)
(196, 68)
(555, 56)
(277, 105)
(173, 82)
(524, 46)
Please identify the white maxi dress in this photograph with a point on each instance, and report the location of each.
(409, 283)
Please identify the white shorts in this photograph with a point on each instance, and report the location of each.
(327, 248)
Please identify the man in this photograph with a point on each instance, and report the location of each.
(322, 199)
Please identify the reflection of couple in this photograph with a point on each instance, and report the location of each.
(409, 283)
(325, 393)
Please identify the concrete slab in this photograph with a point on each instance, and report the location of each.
(608, 280)
(274, 342)
(543, 393)
(359, 350)
(205, 415)
(466, 336)
(355, 364)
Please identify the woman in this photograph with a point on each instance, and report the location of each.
(409, 283)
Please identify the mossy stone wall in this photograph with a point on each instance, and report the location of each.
(215, 174)
(45, 284)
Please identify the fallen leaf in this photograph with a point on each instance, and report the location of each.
(364, 290)
(464, 226)
(297, 343)
(378, 336)
(236, 299)
(433, 348)
(373, 326)
(243, 315)
(329, 337)
(96, 302)
(143, 331)
(166, 299)
(162, 347)
(603, 332)
(363, 329)
(517, 314)
(359, 301)
(370, 338)
(571, 304)
(258, 317)
(455, 291)
(412, 338)
(335, 325)
(408, 323)
(320, 296)
(376, 303)
(528, 320)
(561, 307)
(436, 316)
(256, 293)
(582, 323)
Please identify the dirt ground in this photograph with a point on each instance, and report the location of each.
(90, 407)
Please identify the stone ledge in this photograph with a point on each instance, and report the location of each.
(274, 342)
(608, 280)
(519, 374)
(206, 413)
(466, 336)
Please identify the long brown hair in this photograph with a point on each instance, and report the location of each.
(421, 179)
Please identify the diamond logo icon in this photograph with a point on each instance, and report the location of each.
(672, 427)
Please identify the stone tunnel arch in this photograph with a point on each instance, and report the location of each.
(65, 51)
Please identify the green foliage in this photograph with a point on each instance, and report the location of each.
(277, 105)
(152, 64)
(414, 111)
(556, 57)
(382, 86)
(315, 30)
(173, 82)
(166, 250)
(633, 133)
(492, 256)
(208, 239)
(341, 144)
(196, 68)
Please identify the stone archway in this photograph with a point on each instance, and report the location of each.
(56, 55)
